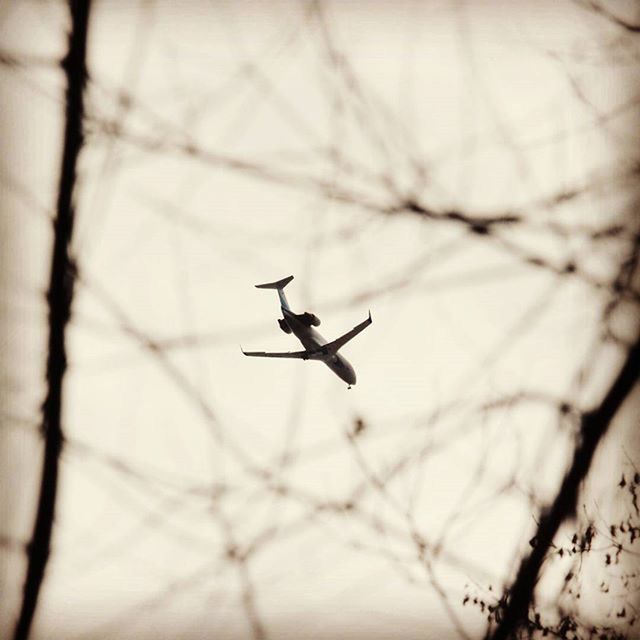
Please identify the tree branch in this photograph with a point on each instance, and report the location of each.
(594, 425)
(59, 297)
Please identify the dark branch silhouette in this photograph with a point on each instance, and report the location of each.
(594, 425)
(300, 146)
(597, 8)
(59, 297)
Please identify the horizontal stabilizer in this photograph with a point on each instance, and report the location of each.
(279, 284)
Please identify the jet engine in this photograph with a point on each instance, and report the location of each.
(310, 319)
(284, 326)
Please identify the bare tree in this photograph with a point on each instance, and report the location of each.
(593, 426)
(467, 171)
(59, 298)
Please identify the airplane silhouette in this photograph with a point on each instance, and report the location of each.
(315, 346)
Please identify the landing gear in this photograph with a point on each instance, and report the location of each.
(349, 387)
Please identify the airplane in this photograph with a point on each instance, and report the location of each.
(315, 346)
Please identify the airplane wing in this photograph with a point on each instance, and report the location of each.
(303, 355)
(338, 343)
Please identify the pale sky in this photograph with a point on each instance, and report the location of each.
(259, 140)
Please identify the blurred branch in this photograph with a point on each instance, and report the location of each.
(596, 7)
(492, 227)
(59, 297)
(11, 60)
(594, 425)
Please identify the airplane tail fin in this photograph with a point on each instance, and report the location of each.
(279, 284)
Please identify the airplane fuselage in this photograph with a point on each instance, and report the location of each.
(312, 341)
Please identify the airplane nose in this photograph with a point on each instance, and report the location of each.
(343, 369)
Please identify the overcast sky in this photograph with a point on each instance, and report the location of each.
(230, 144)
